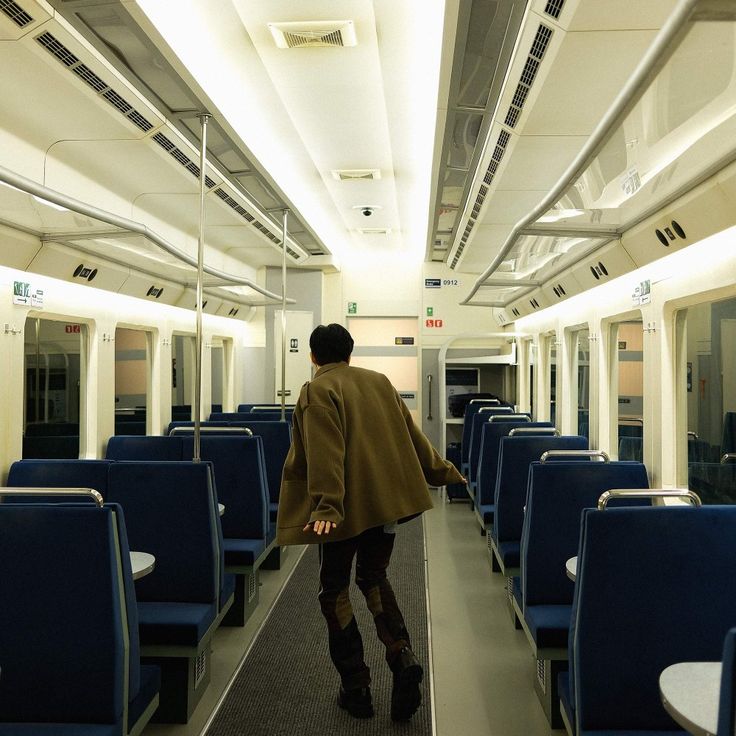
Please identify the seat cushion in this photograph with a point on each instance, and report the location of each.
(548, 624)
(273, 510)
(228, 588)
(150, 686)
(181, 624)
(486, 511)
(240, 552)
(510, 553)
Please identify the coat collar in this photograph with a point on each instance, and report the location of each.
(327, 367)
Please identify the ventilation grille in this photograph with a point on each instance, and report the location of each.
(356, 174)
(374, 230)
(252, 586)
(498, 152)
(181, 157)
(200, 668)
(554, 8)
(515, 312)
(230, 202)
(529, 73)
(313, 34)
(541, 675)
(15, 13)
(102, 88)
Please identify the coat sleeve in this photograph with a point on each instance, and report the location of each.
(324, 447)
(437, 472)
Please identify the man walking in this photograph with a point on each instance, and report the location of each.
(357, 465)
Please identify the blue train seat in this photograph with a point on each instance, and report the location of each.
(727, 699)
(471, 409)
(178, 601)
(58, 474)
(515, 455)
(488, 449)
(654, 587)
(67, 547)
(715, 483)
(51, 447)
(479, 419)
(144, 448)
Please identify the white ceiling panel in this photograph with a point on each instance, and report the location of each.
(620, 14)
(509, 206)
(563, 108)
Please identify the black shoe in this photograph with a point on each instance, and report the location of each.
(406, 695)
(356, 702)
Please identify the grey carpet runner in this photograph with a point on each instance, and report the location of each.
(288, 686)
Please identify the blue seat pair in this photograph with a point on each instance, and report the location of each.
(471, 409)
(68, 624)
(655, 586)
(491, 433)
(514, 458)
(483, 415)
(557, 493)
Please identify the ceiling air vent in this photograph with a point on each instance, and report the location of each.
(230, 202)
(181, 157)
(528, 74)
(100, 86)
(356, 174)
(155, 291)
(374, 230)
(313, 34)
(554, 8)
(84, 272)
(15, 13)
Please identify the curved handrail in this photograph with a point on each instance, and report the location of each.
(211, 430)
(505, 417)
(89, 492)
(496, 408)
(727, 457)
(489, 402)
(657, 54)
(692, 435)
(603, 456)
(648, 493)
(636, 420)
(553, 431)
(51, 195)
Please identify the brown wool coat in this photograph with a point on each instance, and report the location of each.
(357, 458)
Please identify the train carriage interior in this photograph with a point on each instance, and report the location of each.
(523, 211)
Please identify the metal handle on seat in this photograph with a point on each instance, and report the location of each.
(631, 419)
(552, 431)
(212, 430)
(648, 493)
(575, 453)
(727, 457)
(89, 492)
(491, 402)
(496, 408)
(692, 435)
(505, 417)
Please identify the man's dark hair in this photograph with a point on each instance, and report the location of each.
(330, 344)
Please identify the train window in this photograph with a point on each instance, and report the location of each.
(182, 376)
(709, 395)
(629, 364)
(53, 384)
(532, 360)
(581, 351)
(550, 345)
(132, 380)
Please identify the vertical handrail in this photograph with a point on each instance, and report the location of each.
(203, 120)
(283, 315)
(429, 384)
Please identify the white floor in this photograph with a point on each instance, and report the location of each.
(482, 668)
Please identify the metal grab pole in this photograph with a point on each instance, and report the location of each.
(283, 315)
(203, 119)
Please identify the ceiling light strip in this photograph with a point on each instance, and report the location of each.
(664, 45)
(38, 190)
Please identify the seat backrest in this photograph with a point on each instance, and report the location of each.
(471, 409)
(54, 447)
(169, 512)
(61, 607)
(655, 586)
(728, 437)
(59, 474)
(490, 440)
(144, 448)
(727, 700)
(137, 428)
(557, 493)
(188, 424)
(630, 448)
(240, 478)
(514, 457)
(715, 483)
(229, 416)
(480, 419)
(51, 429)
(276, 443)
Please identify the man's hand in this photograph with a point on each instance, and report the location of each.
(320, 527)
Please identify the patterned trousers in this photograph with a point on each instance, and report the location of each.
(373, 550)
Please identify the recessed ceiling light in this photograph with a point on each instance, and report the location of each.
(356, 174)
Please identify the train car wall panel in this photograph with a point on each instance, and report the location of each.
(152, 288)
(708, 209)
(210, 304)
(17, 249)
(61, 262)
(561, 287)
(604, 265)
